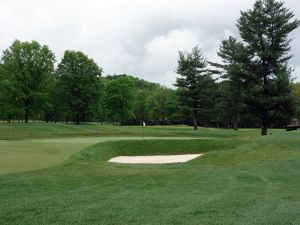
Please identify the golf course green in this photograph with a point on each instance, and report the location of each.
(59, 174)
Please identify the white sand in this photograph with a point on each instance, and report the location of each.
(159, 159)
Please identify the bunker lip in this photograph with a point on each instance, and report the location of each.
(157, 159)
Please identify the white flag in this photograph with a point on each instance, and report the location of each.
(144, 124)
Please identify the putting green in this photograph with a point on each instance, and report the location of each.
(26, 155)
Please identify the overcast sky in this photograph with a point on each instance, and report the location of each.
(137, 37)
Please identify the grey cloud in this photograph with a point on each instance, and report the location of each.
(141, 38)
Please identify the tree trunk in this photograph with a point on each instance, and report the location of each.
(122, 120)
(26, 114)
(195, 118)
(77, 119)
(235, 124)
(264, 128)
(264, 122)
(83, 117)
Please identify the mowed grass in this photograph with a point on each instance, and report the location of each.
(20, 131)
(241, 179)
(25, 147)
(33, 154)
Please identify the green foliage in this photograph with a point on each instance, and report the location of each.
(158, 104)
(296, 94)
(138, 83)
(119, 99)
(223, 104)
(79, 79)
(150, 101)
(196, 84)
(264, 30)
(28, 67)
(231, 96)
(140, 105)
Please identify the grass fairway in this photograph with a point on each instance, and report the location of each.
(241, 179)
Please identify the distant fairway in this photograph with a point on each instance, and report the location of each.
(242, 178)
(19, 131)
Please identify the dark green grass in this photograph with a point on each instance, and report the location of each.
(238, 181)
(17, 131)
(153, 147)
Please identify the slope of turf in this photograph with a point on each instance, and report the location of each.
(24, 155)
(33, 154)
(238, 181)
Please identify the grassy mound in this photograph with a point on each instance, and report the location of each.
(105, 151)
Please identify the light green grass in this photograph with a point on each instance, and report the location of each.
(17, 156)
(26, 155)
(241, 179)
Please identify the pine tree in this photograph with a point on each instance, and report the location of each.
(264, 30)
(234, 55)
(195, 83)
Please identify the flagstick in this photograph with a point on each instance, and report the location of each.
(144, 124)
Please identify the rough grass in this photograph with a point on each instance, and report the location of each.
(241, 179)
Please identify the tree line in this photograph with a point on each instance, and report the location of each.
(254, 88)
(255, 67)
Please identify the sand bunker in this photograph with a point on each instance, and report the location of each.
(159, 159)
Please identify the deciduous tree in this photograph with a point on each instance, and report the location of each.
(80, 83)
(120, 98)
(27, 67)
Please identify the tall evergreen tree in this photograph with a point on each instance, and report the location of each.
(234, 56)
(264, 30)
(296, 94)
(195, 82)
(2, 97)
